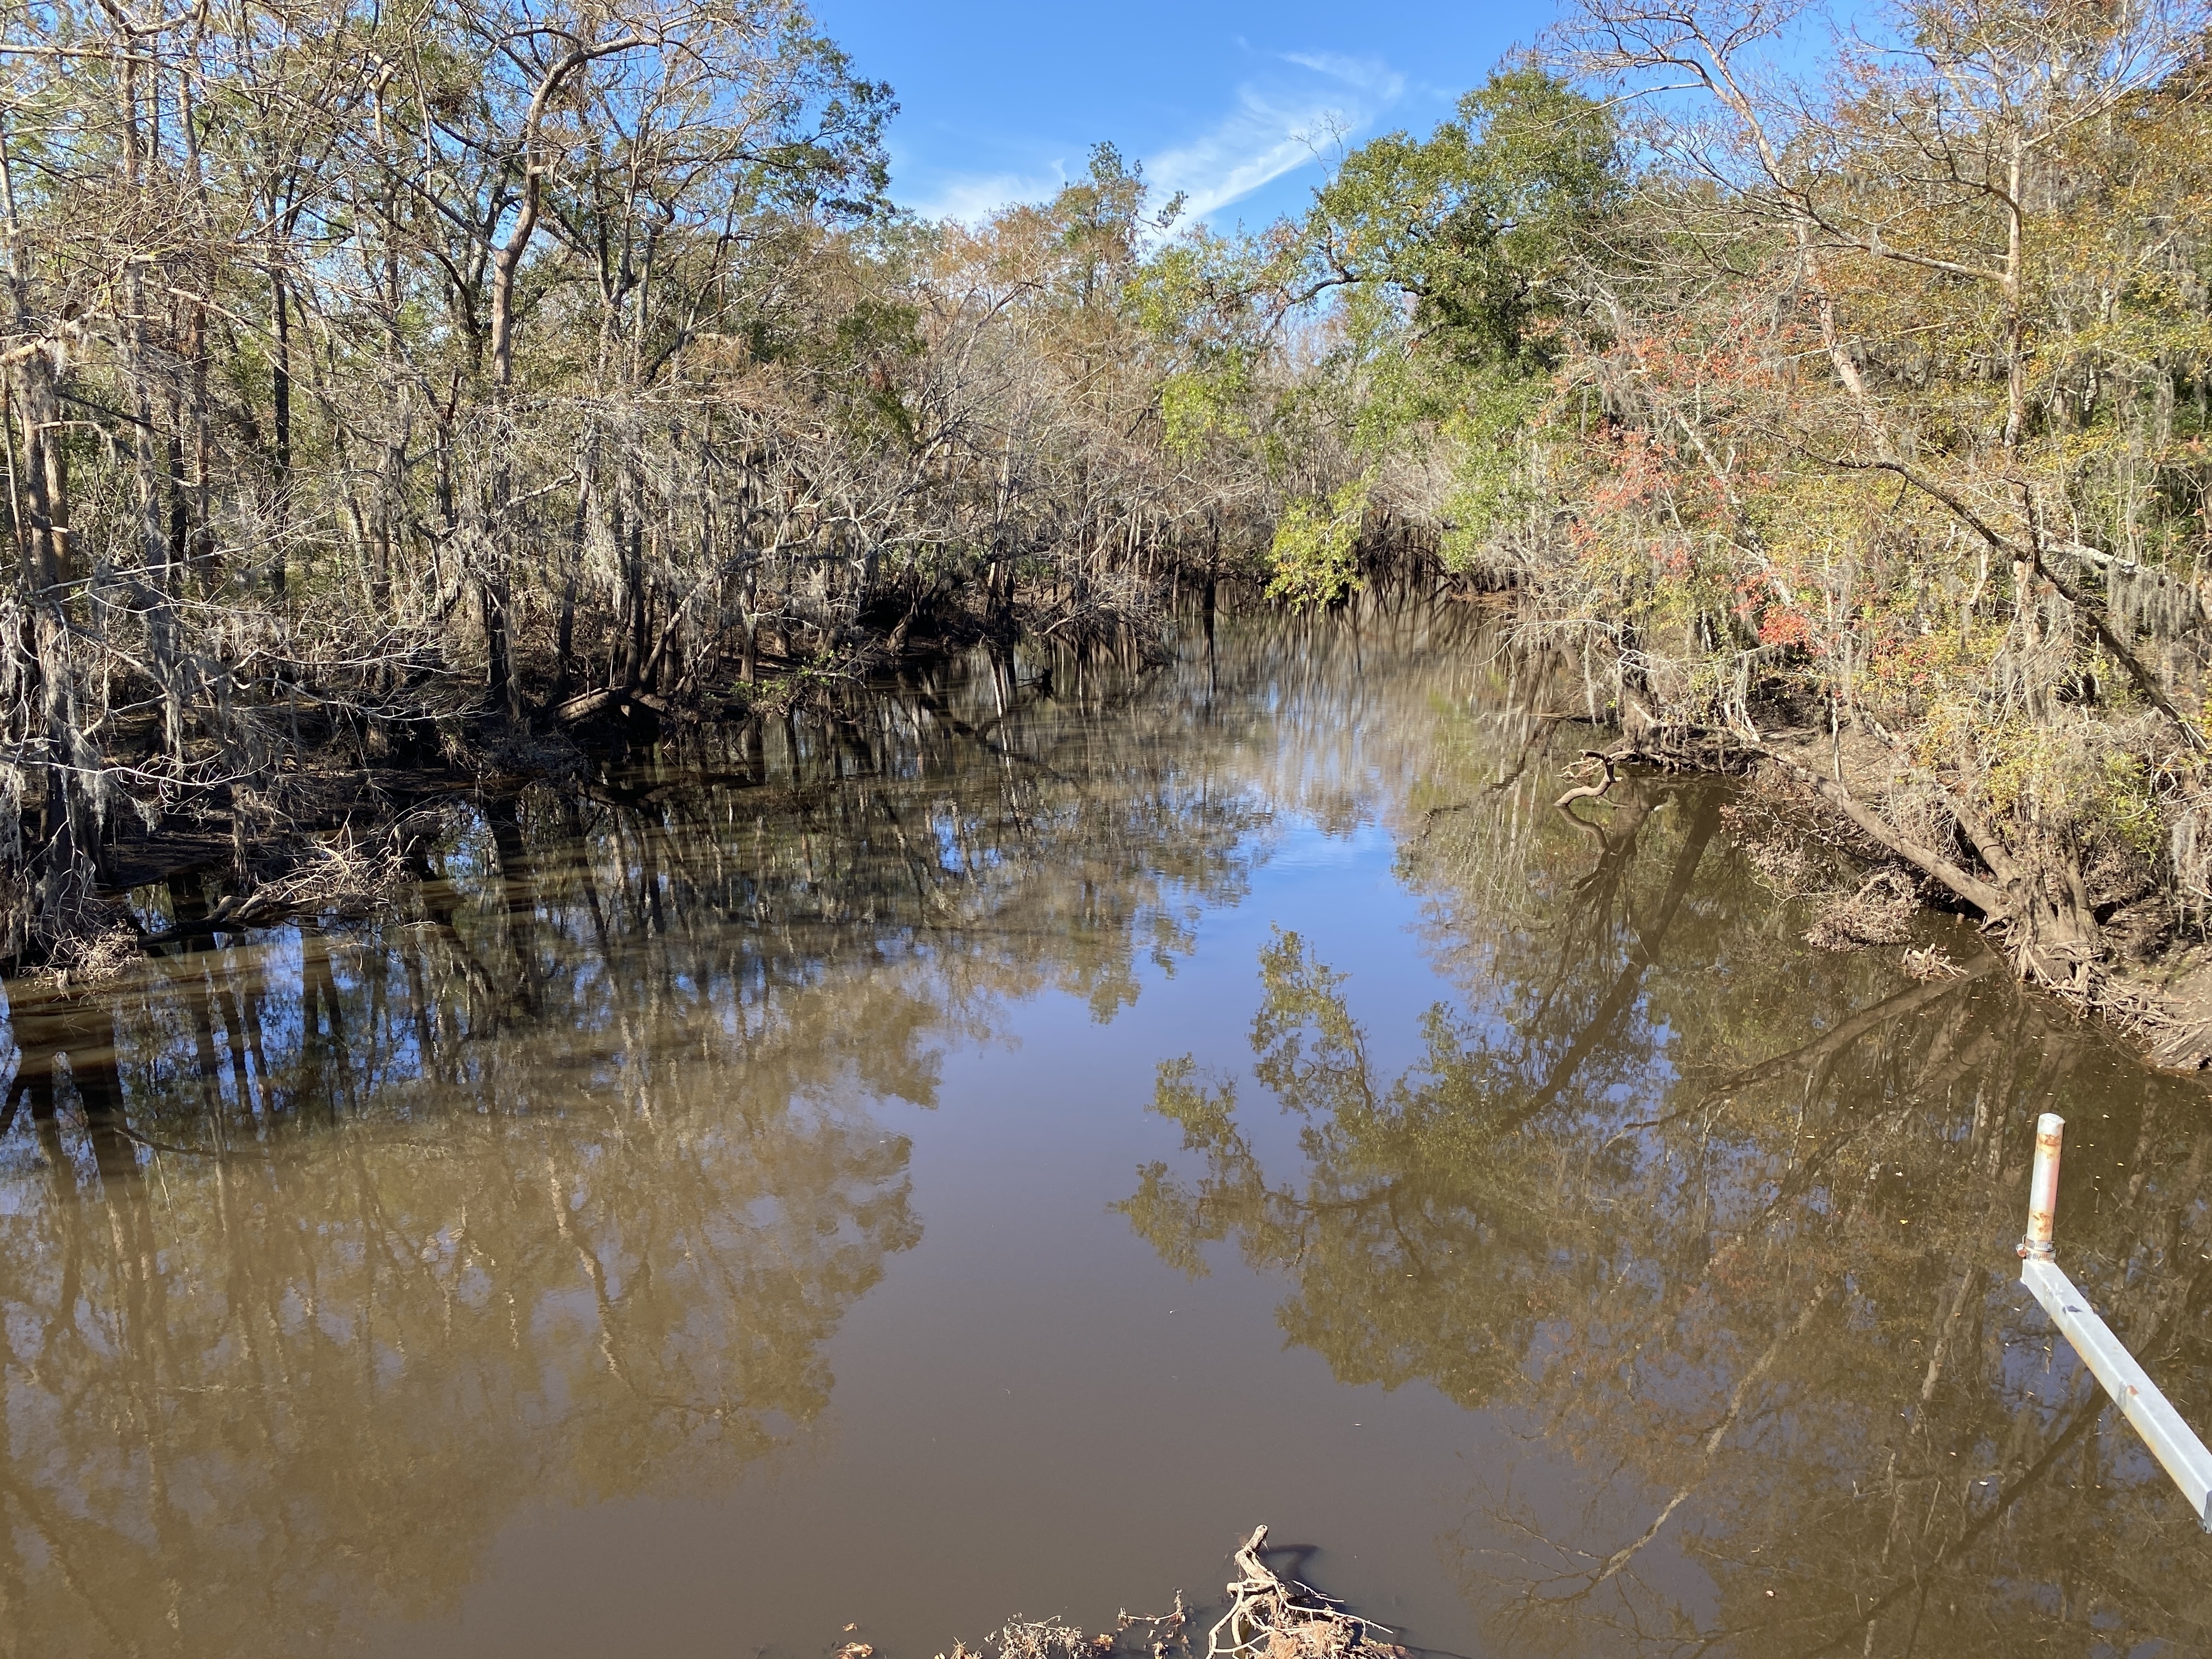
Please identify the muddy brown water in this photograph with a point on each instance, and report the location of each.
(982, 1160)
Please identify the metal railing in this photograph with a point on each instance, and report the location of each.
(2171, 1441)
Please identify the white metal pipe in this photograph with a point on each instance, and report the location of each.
(2171, 1440)
(2043, 1187)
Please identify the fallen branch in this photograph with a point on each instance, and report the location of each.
(1588, 791)
(1282, 1618)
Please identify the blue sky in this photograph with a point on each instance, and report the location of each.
(1228, 100)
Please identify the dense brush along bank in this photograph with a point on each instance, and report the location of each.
(389, 390)
(860, 1180)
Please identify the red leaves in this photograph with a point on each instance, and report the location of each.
(1783, 625)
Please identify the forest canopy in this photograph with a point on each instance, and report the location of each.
(410, 387)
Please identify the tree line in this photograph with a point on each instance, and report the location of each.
(384, 384)
(1836, 402)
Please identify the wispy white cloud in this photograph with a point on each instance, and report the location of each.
(1298, 111)
(1264, 138)
(972, 198)
(1369, 75)
(1280, 123)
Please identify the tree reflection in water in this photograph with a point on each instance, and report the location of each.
(324, 1253)
(1645, 1192)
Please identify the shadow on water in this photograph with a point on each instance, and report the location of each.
(327, 1253)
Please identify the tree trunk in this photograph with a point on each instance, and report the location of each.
(67, 862)
(280, 396)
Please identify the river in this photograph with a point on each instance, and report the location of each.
(982, 1159)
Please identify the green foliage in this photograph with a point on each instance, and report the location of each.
(1197, 301)
(1096, 227)
(2127, 804)
(1313, 557)
(1447, 267)
(1488, 436)
(1477, 224)
(1196, 405)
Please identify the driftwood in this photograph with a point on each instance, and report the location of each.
(1278, 1618)
(1589, 791)
(623, 700)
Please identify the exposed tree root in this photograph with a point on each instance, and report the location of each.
(1879, 913)
(1279, 1617)
(1589, 791)
(2027, 888)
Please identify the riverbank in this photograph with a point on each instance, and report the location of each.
(2105, 937)
(341, 840)
(337, 828)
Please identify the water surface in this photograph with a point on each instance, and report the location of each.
(982, 1159)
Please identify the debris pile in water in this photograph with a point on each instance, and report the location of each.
(1269, 1617)
(1276, 1617)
